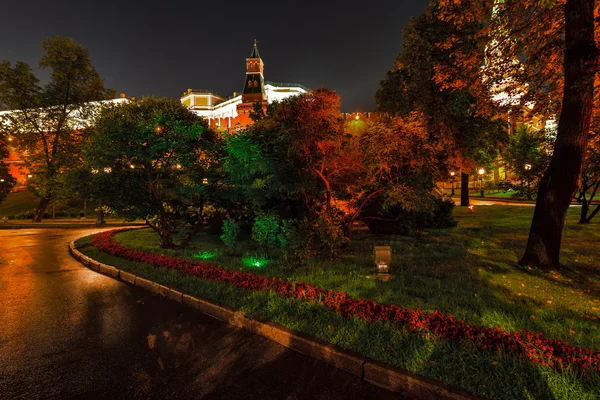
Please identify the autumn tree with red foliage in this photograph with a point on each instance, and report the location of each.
(534, 52)
(447, 98)
(299, 161)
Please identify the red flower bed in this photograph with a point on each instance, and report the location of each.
(534, 347)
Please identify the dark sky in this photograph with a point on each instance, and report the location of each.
(161, 48)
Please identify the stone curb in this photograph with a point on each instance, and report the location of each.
(374, 372)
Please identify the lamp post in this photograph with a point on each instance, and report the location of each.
(481, 172)
(452, 179)
(100, 215)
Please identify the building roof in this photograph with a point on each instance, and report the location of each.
(255, 53)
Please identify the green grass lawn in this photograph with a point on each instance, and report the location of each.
(469, 271)
(18, 202)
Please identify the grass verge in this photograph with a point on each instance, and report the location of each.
(485, 373)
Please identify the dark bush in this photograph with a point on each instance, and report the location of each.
(396, 220)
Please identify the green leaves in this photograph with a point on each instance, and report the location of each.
(166, 158)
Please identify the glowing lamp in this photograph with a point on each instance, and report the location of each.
(205, 255)
(1, 180)
(356, 118)
(131, 166)
(30, 176)
(10, 139)
(255, 261)
(481, 171)
(452, 173)
(527, 167)
(383, 259)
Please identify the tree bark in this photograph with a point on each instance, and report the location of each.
(560, 181)
(587, 203)
(593, 214)
(585, 208)
(39, 213)
(165, 231)
(464, 190)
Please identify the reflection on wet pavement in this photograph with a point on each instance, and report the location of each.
(66, 331)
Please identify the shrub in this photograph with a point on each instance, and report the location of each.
(531, 346)
(265, 230)
(268, 230)
(395, 220)
(299, 237)
(231, 231)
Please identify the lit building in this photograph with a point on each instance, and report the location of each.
(78, 119)
(233, 113)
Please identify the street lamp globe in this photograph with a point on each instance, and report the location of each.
(481, 172)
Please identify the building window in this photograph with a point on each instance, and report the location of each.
(255, 84)
(249, 83)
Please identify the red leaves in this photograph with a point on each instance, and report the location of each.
(531, 346)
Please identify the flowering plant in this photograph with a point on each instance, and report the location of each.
(534, 347)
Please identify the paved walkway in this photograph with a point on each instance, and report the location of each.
(483, 202)
(68, 332)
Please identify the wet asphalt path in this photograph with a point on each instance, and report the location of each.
(69, 332)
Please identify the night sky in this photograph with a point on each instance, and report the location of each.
(161, 48)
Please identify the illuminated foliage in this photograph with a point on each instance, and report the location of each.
(205, 255)
(7, 181)
(231, 231)
(48, 121)
(528, 153)
(165, 160)
(268, 230)
(255, 261)
(462, 122)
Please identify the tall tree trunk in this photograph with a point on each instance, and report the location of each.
(587, 203)
(561, 179)
(585, 208)
(165, 231)
(39, 213)
(464, 190)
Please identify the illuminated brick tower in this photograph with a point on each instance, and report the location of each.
(233, 113)
(254, 86)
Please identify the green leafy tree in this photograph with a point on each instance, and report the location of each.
(7, 181)
(557, 71)
(398, 189)
(528, 154)
(231, 232)
(590, 181)
(424, 81)
(165, 160)
(296, 161)
(50, 122)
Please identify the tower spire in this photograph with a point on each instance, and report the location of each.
(255, 53)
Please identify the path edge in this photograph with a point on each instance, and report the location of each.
(371, 371)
